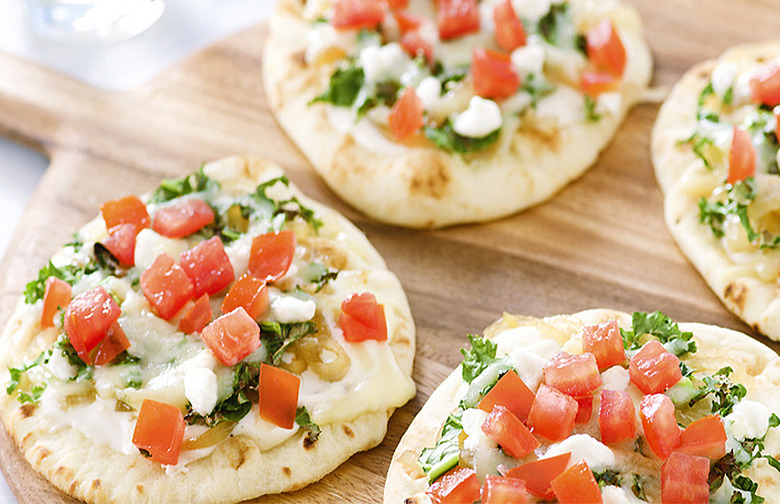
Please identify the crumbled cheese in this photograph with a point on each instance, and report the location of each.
(60, 367)
(200, 388)
(564, 104)
(481, 118)
(149, 245)
(723, 77)
(288, 309)
(742, 90)
(527, 60)
(383, 63)
(615, 378)
(749, 419)
(609, 103)
(583, 447)
(429, 92)
(611, 494)
(533, 10)
(529, 367)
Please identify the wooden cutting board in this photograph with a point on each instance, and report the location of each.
(601, 242)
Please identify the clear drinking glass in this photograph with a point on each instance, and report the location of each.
(92, 21)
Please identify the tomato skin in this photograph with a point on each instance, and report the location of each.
(498, 490)
(661, 430)
(232, 337)
(511, 392)
(208, 266)
(407, 22)
(617, 416)
(456, 486)
(684, 479)
(127, 210)
(88, 318)
(159, 430)
(552, 414)
(742, 156)
(509, 33)
(705, 437)
(605, 49)
(605, 343)
(182, 218)
(121, 243)
(576, 484)
(362, 318)
(505, 429)
(593, 83)
(406, 116)
(456, 18)
(278, 400)
(765, 85)
(197, 317)
(271, 255)
(654, 369)
(56, 295)
(109, 347)
(356, 14)
(249, 293)
(539, 473)
(166, 286)
(414, 44)
(397, 4)
(584, 409)
(574, 375)
(493, 74)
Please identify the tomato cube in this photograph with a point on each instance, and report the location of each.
(552, 414)
(121, 243)
(509, 33)
(407, 22)
(498, 490)
(127, 210)
(166, 286)
(574, 375)
(406, 116)
(576, 484)
(109, 347)
(605, 342)
(456, 486)
(397, 4)
(362, 318)
(182, 218)
(653, 369)
(742, 156)
(208, 266)
(705, 437)
(88, 318)
(684, 479)
(605, 49)
(593, 83)
(539, 473)
(456, 18)
(511, 392)
(232, 337)
(617, 416)
(278, 391)
(197, 316)
(661, 430)
(271, 255)
(56, 295)
(584, 409)
(357, 14)
(493, 74)
(159, 430)
(249, 293)
(414, 44)
(505, 429)
(765, 85)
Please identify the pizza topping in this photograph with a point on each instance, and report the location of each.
(498, 490)
(182, 218)
(56, 296)
(278, 392)
(166, 286)
(159, 431)
(576, 484)
(480, 119)
(88, 319)
(127, 210)
(510, 33)
(355, 14)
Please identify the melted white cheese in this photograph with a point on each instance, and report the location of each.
(383, 63)
(615, 378)
(266, 434)
(288, 309)
(481, 118)
(565, 105)
(149, 245)
(596, 454)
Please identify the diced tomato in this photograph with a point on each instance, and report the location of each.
(127, 210)
(357, 14)
(397, 4)
(121, 243)
(777, 122)
(407, 22)
(109, 347)
(617, 416)
(552, 414)
(362, 318)
(661, 430)
(56, 295)
(456, 486)
(574, 375)
(765, 85)
(498, 490)
(539, 473)
(232, 336)
(605, 49)
(456, 18)
(414, 44)
(576, 484)
(278, 391)
(208, 266)
(742, 156)
(510, 392)
(653, 369)
(593, 83)
(406, 116)
(166, 286)
(249, 293)
(705, 437)
(510, 33)
(584, 409)
(272, 254)
(196, 317)
(505, 429)
(88, 318)
(159, 430)
(684, 479)
(605, 343)
(182, 218)
(493, 74)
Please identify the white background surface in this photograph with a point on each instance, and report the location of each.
(185, 27)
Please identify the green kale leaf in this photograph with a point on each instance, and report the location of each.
(174, 188)
(303, 420)
(446, 138)
(344, 87)
(660, 326)
(277, 337)
(443, 456)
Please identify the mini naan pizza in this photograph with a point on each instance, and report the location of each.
(598, 406)
(427, 113)
(221, 338)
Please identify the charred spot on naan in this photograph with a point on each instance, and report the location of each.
(430, 176)
(736, 293)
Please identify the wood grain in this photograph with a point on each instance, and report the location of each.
(600, 243)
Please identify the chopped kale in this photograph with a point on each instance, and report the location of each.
(660, 326)
(557, 26)
(637, 487)
(16, 376)
(478, 358)
(344, 87)
(591, 115)
(70, 273)
(289, 208)
(277, 337)
(537, 87)
(725, 393)
(446, 138)
(84, 371)
(442, 457)
(174, 188)
(699, 144)
(385, 93)
(303, 419)
(608, 477)
(317, 274)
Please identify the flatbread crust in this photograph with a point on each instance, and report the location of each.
(684, 180)
(422, 186)
(755, 365)
(237, 469)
